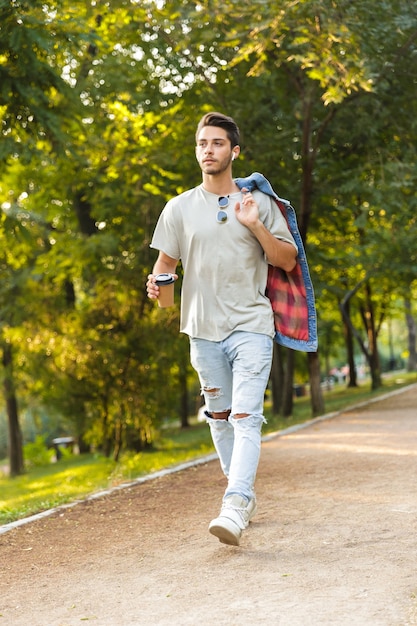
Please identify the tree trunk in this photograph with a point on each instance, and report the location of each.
(82, 209)
(15, 433)
(308, 155)
(277, 378)
(374, 362)
(317, 400)
(118, 436)
(412, 333)
(288, 396)
(353, 382)
(107, 437)
(371, 350)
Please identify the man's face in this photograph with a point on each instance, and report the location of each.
(213, 150)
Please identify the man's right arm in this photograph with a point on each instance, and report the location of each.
(164, 265)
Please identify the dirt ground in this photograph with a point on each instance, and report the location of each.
(334, 541)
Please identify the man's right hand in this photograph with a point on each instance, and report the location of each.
(152, 288)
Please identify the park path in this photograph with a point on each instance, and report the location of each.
(334, 542)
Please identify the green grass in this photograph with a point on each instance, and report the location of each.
(48, 486)
(75, 477)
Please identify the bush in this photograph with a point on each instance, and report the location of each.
(37, 454)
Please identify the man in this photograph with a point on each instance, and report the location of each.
(225, 238)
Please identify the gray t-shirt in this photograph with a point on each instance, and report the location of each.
(225, 269)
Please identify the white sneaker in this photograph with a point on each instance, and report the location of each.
(234, 517)
(252, 508)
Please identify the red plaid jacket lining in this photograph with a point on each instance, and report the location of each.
(286, 291)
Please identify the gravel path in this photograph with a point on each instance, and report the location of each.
(333, 544)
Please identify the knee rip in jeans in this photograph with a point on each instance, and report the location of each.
(213, 392)
(219, 415)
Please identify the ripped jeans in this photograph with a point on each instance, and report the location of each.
(233, 375)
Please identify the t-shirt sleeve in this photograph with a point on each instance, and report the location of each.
(165, 234)
(276, 223)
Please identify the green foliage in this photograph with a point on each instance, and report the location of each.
(36, 454)
(98, 112)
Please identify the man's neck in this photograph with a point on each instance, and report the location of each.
(220, 184)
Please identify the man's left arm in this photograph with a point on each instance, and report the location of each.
(278, 252)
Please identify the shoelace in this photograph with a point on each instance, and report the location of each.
(243, 512)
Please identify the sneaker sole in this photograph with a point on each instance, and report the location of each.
(224, 534)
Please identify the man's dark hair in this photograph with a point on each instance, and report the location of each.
(222, 121)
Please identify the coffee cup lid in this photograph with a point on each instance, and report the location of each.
(164, 279)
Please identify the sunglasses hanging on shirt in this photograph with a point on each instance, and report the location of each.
(223, 203)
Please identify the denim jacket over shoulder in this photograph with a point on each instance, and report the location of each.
(291, 293)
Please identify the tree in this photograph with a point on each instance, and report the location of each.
(336, 70)
(22, 241)
(106, 105)
(412, 337)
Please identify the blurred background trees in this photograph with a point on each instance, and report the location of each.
(99, 102)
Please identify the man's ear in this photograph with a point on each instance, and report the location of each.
(235, 153)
